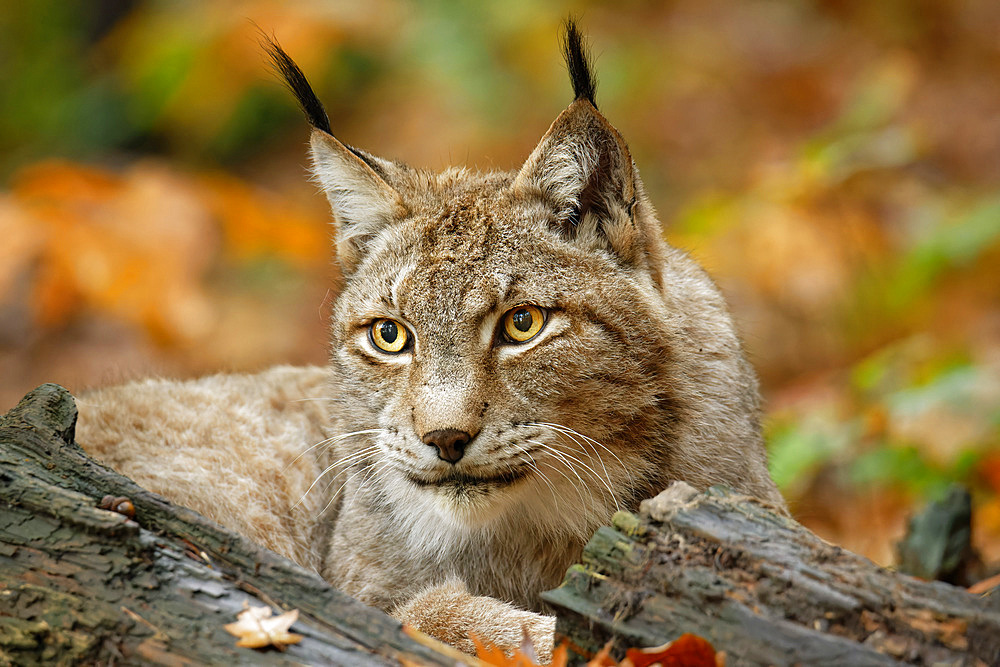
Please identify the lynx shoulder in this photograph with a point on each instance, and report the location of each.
(515, 355)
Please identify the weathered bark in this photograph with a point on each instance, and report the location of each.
(82, 584)
(762, 588)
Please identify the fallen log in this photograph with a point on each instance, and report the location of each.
(84, 584)
(762, 588)
(154, 583)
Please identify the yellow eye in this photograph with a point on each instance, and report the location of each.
(388, 335)
(523, 323)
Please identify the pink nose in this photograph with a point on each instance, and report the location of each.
(450, 443)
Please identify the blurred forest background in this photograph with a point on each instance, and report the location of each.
(835, 164)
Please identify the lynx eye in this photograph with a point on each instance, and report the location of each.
(523, 323)
(388, 335)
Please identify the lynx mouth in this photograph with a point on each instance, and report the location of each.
(461, 481)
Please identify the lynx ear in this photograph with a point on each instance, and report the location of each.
(354, 182)
(363, 202)
(583, 168)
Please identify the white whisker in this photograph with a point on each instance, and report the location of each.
(340, 488)
(604, 482)
(570, 433)
(583, 446)
(534, 466)
(332, 440)
(371, 474)
(348, 460)
(569, 466)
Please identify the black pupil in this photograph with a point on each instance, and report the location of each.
(388, 331)
(522, 319)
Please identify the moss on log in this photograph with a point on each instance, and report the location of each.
(763, 589)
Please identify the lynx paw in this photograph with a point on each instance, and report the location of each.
(450, 613)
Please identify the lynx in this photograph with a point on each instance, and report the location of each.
(515, 356)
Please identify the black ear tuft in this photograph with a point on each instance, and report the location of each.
(297, 83)
(584, 85)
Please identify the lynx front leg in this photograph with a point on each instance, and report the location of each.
(450, 613)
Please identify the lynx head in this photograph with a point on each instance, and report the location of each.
(502, 334)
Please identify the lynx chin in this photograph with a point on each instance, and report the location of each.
(515, 355)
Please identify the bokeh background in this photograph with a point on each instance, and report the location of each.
(835, 164)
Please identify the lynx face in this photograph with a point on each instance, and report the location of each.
(499, 358)
(520, 353)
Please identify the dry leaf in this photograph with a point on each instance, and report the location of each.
(989, 468)
(522, 657)
(688, 650)
(256, 628)
(256, 224)
(135, 245)
(492, 655)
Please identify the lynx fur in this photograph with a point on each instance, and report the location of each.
(515, 355)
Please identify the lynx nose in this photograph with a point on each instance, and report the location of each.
(450, 443)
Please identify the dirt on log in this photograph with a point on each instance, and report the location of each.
(762, 588)
(80, 584)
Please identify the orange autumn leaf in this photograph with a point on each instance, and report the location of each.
(139, 244)
(522, 657)
(255, 224)
(688, 650)
(989, 468)
(491, 655)
(135, 245)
